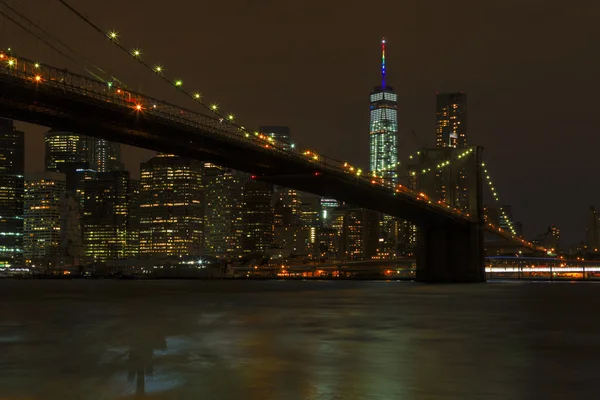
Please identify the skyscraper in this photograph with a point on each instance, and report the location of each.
(327, 206)
(171, 211)
(384, 127)
(258, 217)
(12, 165)
(105, 216)
(44, 194)
(65, 149)
(106, 156)
(593, 230)
(80, 157)
(223, 210)
(451, 120)
(360, 233)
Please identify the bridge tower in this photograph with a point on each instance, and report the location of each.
(451, 250)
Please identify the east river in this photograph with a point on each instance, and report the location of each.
(288, 340)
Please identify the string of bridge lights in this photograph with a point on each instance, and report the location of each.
(441, 165)
(159, 70)
(497, 199)
(197, 97)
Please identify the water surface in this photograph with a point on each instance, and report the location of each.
(263, 340)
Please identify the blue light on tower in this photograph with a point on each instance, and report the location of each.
(384, 127)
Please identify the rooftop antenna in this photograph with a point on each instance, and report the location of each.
(383, 63)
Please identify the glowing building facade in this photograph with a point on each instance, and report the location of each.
(171, 207)
(360, 233)
(383, 130)
(451, 120)
(65, 149)
(44, 194)
(105, 219)
(12, 165)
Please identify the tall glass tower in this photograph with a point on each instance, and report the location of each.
(383, 131)
(12, 165)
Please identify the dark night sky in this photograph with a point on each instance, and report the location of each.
(529, 68)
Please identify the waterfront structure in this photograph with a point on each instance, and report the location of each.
(383, 128)
(42, 218)
(223, 224)
(105, 216)
(451, 120)
(258, 217)
(171, 207)
(12, 166)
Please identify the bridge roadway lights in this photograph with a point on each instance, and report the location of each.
(451, 253)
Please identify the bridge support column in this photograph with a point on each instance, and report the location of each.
(451, 253)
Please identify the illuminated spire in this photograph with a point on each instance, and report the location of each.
(383, 62)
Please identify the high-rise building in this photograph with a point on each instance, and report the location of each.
(12, 165)
(223, 227)
(70, 230)
(383, 153)
(133, 224)
(327, 206)
(287, 206)
(105, 216)
(593, 230)
(310, 212)
(294, 240)
(171, 207)
(258, 219)
(80, 157)
(360, 233)
(451, 125)
(66, 149)
(106, 156)
(44, 194)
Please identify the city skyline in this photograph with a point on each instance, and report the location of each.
(498, 78)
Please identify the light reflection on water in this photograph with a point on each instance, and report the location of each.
(297, 340)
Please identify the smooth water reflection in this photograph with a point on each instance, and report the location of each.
(297, 340)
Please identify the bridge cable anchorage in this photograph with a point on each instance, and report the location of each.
(497, 199)
(59, 42)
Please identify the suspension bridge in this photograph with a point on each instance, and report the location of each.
(450, 241)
